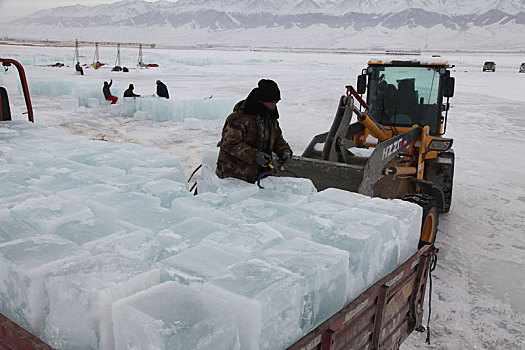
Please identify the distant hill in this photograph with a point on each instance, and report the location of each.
(363, 24)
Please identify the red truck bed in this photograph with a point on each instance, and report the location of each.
(380, 318)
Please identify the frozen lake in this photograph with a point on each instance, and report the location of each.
(478, 285)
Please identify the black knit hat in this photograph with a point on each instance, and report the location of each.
(268, 91)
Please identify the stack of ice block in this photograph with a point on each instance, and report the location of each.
(161, 109)
(102, 246)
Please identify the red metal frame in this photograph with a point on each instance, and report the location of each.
(6, 62)
(380, 318)
(14, 337)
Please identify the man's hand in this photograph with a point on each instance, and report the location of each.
(286, 155)
(263, 158)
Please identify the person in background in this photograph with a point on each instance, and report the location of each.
(79, 68)
(251, 133)
(162, 90)
(129, 92)
(107, 92)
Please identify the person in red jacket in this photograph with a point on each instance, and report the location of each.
(107, 92)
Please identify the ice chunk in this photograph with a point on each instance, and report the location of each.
(198, 206)
(141, 245)
(166, 190)
(246, 240)
(80, 297)
(139, 115)
(199, 263)
(126, 205)
(302, 224)
(47, 213)
(52, 184)
(12, 229)
(129, 107)
(408, 216)
(23, 264)
(172, 316)
(81, 232)
(326, 270)
(116, 109)
(93, 102)
(99, 174)
(346, 198)
(194, 229)
(69, 103)
(50, 86)
(298, 186)
(253, 210)
(267, 300)
(171, 173)
(192, 123)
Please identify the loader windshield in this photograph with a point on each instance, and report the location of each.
(404, 96)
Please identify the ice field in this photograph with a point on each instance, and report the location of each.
(117, 189)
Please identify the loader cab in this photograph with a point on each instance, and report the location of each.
(403, 93)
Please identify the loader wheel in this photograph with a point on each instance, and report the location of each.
(430, 217)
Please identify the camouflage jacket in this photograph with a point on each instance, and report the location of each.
(242, 139)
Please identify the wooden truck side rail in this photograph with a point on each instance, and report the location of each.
(380, 318)
(14, 337)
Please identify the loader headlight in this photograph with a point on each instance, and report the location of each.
(440, 144)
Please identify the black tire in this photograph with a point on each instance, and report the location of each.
(5, 111)
(430, 218)
(440, 171)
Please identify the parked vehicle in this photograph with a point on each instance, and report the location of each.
(403, 122)
(522, 68)
(489, 66)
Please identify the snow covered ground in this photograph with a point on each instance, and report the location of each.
(479, 283)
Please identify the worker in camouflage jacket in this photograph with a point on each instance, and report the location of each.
(251, 133)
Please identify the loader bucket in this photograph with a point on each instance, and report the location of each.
(325, 174)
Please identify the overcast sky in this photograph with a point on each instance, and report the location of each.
(11, 9)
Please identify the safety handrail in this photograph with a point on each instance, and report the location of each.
(6, 62)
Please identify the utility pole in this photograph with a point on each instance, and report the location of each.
(77, 56)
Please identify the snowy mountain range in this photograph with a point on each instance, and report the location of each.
(223, 14)
(299, 19)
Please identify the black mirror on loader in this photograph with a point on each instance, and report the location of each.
(361, 84)
(448, 88)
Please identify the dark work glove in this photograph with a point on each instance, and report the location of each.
(263, 158)
(286, 155)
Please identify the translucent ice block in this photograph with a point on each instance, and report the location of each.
(81, 232)
(47, 213)
(69, 103)
(23, 264)
(93, 102)
(141, 245)
(194, 229)
(253, 210)
(166, 190)
(80, 297)
(172, 316)
(299, 223)
(12, 229)
(197, 206)
(409, 217)
(199, 263)
(324, 267)
(247, 239)
(263, 296)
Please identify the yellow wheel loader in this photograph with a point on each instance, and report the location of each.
(392, 144)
